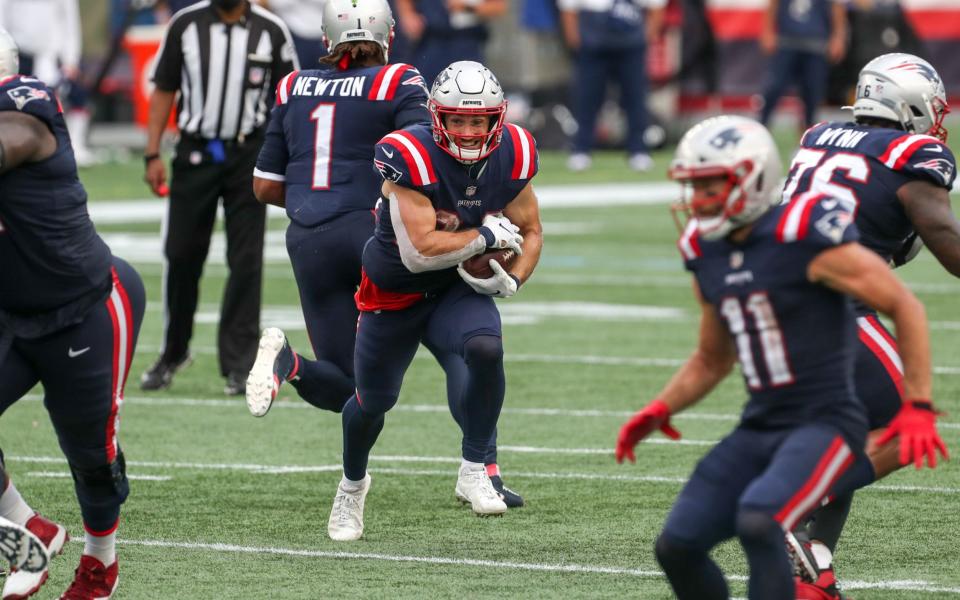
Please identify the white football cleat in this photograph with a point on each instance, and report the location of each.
(475, 488)
(28, 560)
(263, 382)
(346, 517)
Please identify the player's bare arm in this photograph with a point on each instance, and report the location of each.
(928, 208)
(422, 246)
(23, 139)
(858, 272)
(524, 212)
(269, 191)
(708, 365)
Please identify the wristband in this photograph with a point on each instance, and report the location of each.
(922, 404)
(488, 237)
(148, 158)
(515, 279)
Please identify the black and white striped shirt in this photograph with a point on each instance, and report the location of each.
(226, 73)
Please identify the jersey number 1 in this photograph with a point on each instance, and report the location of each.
(322, 115)
(771, 339)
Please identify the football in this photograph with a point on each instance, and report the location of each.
(479, 266)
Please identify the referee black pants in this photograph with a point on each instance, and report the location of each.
(199, 179)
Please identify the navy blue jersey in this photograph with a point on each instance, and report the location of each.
(804, 19)
(322, 131)
(410, 158)
(863, 167)
(795, 340)
(50, 253)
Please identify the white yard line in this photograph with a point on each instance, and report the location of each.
(336, 468)
(912, 585)
(66, 475)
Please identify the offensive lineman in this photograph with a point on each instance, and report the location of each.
(70, 313)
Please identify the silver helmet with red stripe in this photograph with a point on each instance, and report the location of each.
(9, 55)
(357, 21)
(905, 89)
(467, 108)
(739, 156)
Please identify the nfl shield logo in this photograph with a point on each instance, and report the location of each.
(471, 190)
(736, 259)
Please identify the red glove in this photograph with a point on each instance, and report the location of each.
(655, 415)
(916, 425)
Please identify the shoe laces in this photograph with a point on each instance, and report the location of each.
(90, 579)
(482, 484)
(346, 506)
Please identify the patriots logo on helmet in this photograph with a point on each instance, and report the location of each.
(940, 166)
(727, 137)
(23, 94)
(387, 171)
(925, 71)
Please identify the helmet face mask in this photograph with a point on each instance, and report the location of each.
(730, 169)
(9, 55)
(905, 89)
(461, 93)
(357, 21)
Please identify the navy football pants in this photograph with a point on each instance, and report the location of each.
(878, 373)
(459, 321)
(807, 70)
(83, 369)
(754, 485)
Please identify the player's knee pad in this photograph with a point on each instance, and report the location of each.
(103, 485)
(483, 350)
(674, 555)
(757, 526)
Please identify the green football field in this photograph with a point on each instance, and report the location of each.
(227, 506)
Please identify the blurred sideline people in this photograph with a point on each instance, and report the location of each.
(893, 168)
(221, 61)
(773, 281)
(48, 35)
(442, 31)
(412, 289)
(70, 313)
(330, 191)
(610, 38)
(304, 19)
(804, 37)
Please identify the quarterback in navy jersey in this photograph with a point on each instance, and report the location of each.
(891, 169)
(70, 313)
(773, 283)
(472, 171)
(316, 162)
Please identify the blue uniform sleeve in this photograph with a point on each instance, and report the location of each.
(30, 96)
(933, 162)
(522, 159)
(830, 225)
(274, 155)
(411, 100)
(394, 162)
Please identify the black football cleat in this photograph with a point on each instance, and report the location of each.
(509, 497)
(160, 375)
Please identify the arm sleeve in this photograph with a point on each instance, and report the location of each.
(933, 162)
(411, 100)
(274, 156)
(169, 64)
(390, 161)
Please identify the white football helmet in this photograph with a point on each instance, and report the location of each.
(742, 151)
(467, 88)
(905, 89)
(357, 21)
(9, 55)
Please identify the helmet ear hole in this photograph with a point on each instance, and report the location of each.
(916, 111)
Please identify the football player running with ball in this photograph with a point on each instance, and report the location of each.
(892, 169)
(475, 169)
(773, 282)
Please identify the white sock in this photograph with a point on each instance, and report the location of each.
(349, 485)
(101, 547)
(13, 507)
(472, 466)
(822, 554)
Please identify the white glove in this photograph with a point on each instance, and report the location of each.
(505, 233)
(501, 285)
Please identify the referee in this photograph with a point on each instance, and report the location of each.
(221, 60)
